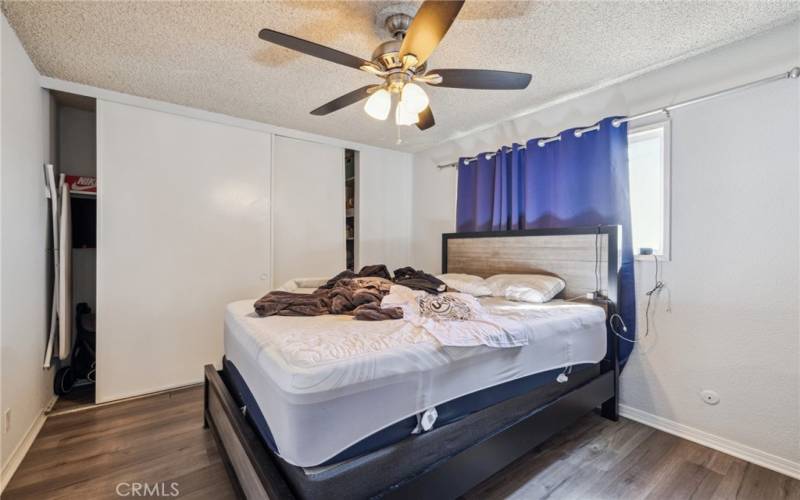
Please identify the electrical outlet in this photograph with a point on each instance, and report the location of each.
(709, 397)
(7, 421)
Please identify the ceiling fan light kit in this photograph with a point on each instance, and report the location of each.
(401, 64)
(379, 104)
(414, 98)
(405, 116)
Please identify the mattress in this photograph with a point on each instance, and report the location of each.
(325, 383)
(447, 413)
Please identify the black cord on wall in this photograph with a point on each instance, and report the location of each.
(657, 287)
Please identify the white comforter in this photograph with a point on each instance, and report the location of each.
(456, 319)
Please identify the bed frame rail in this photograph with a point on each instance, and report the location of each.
(464, 471)
(252, 469)
(256, 475)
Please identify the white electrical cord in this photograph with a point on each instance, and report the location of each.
(624, 328)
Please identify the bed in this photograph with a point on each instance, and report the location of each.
(331, 407)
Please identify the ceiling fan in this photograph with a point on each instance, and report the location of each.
(401, 63)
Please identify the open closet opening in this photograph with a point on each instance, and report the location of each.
(351, 206)
(75, 172)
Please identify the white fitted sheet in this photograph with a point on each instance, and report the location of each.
(325, 383)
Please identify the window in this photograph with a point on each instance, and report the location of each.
(648, 158)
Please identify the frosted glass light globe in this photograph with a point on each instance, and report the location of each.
(404, 116)
(415, 99)
(379, 104)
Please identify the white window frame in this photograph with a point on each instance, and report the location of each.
(666, 160)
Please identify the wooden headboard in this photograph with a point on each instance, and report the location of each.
(581, 256)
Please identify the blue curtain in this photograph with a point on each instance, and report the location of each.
(577, 181)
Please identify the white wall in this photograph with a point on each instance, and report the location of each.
(733, 277)
(24, 292)
(384, 208)
(183, 229)
(308, 226)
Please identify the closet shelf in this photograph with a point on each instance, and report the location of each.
(84, 195)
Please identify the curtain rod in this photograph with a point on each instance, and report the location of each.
(793, 73)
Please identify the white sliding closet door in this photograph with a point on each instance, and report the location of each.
(307, 210)
(183, 229)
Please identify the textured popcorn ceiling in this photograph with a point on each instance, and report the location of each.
(207, 54)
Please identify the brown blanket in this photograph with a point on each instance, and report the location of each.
(359, 294)
(344, 297)
(419, 280)
(373, 271)
(373, 312)
(293, 304)
(347, 294)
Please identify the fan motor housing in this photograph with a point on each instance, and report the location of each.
(396, 19)
(387, 55)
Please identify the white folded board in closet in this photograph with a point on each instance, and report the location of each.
(65, 275)
(183, 229)
(308, 212)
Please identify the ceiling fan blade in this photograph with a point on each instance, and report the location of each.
(481, 79)
(312, 49)
(343, 101)
(429, 26)
(426, 120)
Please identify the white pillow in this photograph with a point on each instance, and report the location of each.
(301, 285)
(536, 288)
(466, 283)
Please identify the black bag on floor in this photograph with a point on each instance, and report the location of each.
(82, 360)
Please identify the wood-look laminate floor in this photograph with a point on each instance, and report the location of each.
(154, 440)
(160, 440)
(78, 398)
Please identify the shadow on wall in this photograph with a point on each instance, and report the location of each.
(572, 112)
(394, 252)
(548, 220)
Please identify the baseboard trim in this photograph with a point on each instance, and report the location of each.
(24, 445)
(133, 397)
(738, 450)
